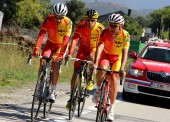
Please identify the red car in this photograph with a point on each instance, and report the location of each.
(149, 73)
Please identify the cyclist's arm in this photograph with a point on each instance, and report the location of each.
(74, 43)
(124, 58)
(65, 44)
(98, 53)
(66, 37)
(40, 38)
(125, 51)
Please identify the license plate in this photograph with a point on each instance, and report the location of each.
(161, 86)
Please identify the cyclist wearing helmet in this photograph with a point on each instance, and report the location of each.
(59, 28)
(89, 31)
(112, 47)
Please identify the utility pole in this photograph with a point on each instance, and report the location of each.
(161, 27)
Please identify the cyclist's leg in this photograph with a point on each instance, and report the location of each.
(103, 63)
(80, 55)
(90, 84)
(114, 87)
(46, 52)
(53, 48)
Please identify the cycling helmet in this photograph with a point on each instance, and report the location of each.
(60, 9)
(116, 18)
(92, 14)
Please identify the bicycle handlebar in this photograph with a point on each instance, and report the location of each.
(46, 58)
(107, 70)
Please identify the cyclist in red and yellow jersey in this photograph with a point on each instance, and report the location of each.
(59, 28)
(112, 47)
(89, 31)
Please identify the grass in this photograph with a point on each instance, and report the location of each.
(14, 71)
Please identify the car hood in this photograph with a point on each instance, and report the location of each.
(143, 64)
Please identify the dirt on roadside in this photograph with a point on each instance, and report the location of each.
(13, 96)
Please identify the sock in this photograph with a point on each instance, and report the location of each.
(112, 108)
(53, 88)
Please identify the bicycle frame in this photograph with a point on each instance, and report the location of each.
(103, 102)
(79, 91)
(44, 79)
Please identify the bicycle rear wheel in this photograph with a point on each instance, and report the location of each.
(100, 104)
(74, 99)
(37, 99)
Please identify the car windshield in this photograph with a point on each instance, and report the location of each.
(157, 54)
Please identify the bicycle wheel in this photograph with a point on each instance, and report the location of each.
(100, 104)
(82, 98)
(37, 99)
(74, 99)
(103, 117)
(47, 104)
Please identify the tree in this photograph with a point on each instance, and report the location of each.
(25, 13)
(76, 11)
(160, 19)
(132, 26)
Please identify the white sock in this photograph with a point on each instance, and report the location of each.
(53, 88)
(112, 107)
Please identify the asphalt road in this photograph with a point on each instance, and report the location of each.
(141, 109)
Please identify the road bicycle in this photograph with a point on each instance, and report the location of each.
(79, 92)
(42, 89)
(103, 102)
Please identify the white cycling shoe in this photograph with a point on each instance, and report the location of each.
(52, 97)
(110, 116)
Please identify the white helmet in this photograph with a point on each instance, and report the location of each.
(116, 18)
(60, 9)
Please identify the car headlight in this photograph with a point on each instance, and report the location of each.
(136, 72)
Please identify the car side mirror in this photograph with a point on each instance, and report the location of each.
(132, 55)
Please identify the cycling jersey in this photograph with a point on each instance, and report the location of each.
(113, 45)
(58, 36)
(113, 48)
(89, 40)
(90, 37)
(56, 31)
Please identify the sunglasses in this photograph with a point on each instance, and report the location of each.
(91, 20)
(113, 25)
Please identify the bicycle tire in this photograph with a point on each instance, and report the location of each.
(36, 104)
(74, 100)
(104, 117)
(100, 104)
(47, 105)
(82, 99)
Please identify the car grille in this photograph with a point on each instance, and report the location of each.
(160, 77)
(154, 91)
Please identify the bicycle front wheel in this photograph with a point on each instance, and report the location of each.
(37, 99)
(100, 104)
(82, 97)
(47, 105)
(74, 99)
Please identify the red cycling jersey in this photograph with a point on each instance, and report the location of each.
(89, 39)
(58, 34)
